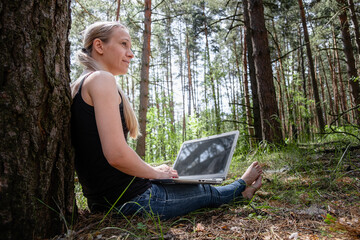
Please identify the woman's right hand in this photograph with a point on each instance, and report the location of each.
(165, 172)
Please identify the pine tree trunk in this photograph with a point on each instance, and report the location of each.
(144, 80)
(189, 74)
(118, 10)
(319, 112)
(36, 163)
(212, 81)
(356, 25)
(334, 85)
(247, 96)
(350, 60)
(271, 128)
(169, 72)
(342, 93)
(329, 97)
(322, 92)
(252, 74)
(305, 121)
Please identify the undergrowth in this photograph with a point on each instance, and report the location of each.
(296, 178)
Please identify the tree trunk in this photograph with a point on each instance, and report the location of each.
(36, 163)
(271, 129)
(210, 75)
(169, 72)
(356, 25)
(247, 96)
(252, 74)
(190, 87)
(144, 80)
(342, 93)
(350, 60)
(324, 106)
(118, 10)
(305, 120)
(319, 112)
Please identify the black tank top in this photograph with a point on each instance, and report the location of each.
(102, 184)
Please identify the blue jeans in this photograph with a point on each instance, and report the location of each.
(172, 200)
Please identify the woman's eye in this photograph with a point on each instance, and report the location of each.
(124, 44)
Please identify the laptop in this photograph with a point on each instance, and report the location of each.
(204, 160)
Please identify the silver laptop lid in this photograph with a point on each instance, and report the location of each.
(208, 157)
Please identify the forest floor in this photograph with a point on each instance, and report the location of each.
(309, 192)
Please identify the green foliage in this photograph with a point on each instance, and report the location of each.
(330, 219)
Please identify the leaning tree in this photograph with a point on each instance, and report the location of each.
(36, 170)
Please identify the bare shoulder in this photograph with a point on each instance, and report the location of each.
(100, 80)
(101, 84)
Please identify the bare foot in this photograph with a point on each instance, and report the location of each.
(249, 192)
(252, 173)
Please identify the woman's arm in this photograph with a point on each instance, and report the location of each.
(102, 91)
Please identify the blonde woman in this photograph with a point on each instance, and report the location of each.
(110, 172)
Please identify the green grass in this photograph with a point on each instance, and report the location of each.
(295, 177)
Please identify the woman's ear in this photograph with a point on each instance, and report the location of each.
(98, 46)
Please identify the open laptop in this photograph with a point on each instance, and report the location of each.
(204, 160)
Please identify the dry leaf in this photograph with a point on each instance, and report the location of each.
(199, 227)
(225, 227)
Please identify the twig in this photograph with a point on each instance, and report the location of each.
(232, 22)
(86, 10)
(342, 157)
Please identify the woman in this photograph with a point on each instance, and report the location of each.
(110, 172)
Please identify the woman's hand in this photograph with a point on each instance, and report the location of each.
(164, 172)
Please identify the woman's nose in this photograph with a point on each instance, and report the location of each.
(130, 54)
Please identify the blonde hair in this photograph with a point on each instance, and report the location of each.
(103, 31)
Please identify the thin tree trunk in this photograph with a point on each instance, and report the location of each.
(342, 93)
(212, 81)
(169, 72)
(334, 85)
(350, 60)
(247, 96)
(271, 128)
(252, 74)
(330, 100)
(322, 92)
(118, 10)
(306, 120)
(36, 156)
(280, 101)
(319, 112)
(189, 74)
(144, 80)
(287, 131)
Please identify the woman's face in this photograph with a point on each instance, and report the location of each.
(117, 52)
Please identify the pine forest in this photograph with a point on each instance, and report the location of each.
(206, 56)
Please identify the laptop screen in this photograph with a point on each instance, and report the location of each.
(204, 157)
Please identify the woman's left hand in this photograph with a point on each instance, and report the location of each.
(167, 170)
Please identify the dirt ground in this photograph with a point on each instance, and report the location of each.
(334, 215)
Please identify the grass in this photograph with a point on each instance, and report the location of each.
(306, 190)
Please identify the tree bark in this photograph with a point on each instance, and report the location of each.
(36, 163)
(319, 112)
(118, 10)
(144, 80)
(350, 60)
(342, 93)
(247, 95)
(252, 74)
(190, 87)
(271, 129)
(210, 76)
(356, 25)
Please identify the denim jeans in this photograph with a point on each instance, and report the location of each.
(172, 200)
